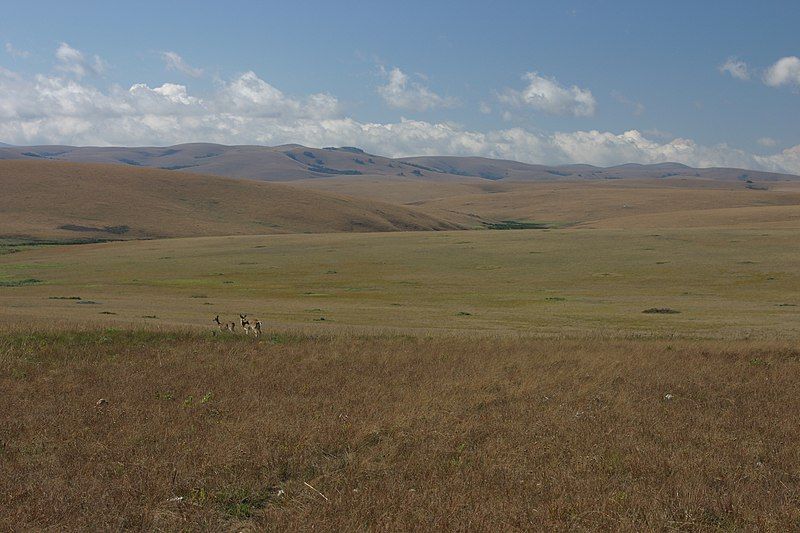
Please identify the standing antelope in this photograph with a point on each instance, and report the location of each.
(248, 327)
(245, 324)
(227, 326)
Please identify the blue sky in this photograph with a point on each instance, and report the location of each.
(554, 82)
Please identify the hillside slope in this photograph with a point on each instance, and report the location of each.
(268, 163)
(596, 203)
(293, 162)
(58, 200)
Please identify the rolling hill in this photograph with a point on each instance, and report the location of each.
(279, 163)
(293, 162)
(430, 192)
(498, 169)
(72, 201)
(626, 203)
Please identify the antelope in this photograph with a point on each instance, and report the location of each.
(245, 324)
(248, 327)
(227, 326)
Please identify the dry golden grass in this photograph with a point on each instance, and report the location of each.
(41, 196)
(396, 433)
(516, 391)
(629, 203)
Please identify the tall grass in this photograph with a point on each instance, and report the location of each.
(348, 432)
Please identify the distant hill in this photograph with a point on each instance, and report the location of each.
(70, 201)
(498, 169)
(295, 162)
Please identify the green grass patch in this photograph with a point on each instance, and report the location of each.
(19, 282)
(518, 224)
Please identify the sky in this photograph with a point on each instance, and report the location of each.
(707, 83)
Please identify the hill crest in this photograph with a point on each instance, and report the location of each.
(294, 162)
(79, 201)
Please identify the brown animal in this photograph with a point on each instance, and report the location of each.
(254, 328)
(245, 324)
(225, 326)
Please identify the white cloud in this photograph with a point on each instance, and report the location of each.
(546, 94)
(74, 62)
(16, 53)
(637, 107)
(249, 95)
(785, 71)
(786, 161)
(248, 110)
(399, 92)
(736, 68)
(175, 62)
(767, 142)
(485, 108)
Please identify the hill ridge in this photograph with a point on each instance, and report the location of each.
(290, 162)
(68, 201)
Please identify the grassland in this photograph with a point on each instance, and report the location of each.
(49, 200)
(634, 367)
(725, 283)
(633, 204)
(350, 432)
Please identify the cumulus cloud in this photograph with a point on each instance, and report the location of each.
(546, 94)
(786, 161)
(176, 63)
(248, 110)
(401, 93)
(249, 95)
(785, 71)
(73, 61)
(16, 53)
(736, 68)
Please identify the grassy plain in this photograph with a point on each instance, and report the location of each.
(349, 432)
(725, 283)
(454, 380)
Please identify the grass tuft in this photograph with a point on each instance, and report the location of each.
(661, 311)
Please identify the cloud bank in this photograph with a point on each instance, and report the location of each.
(67, 108)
